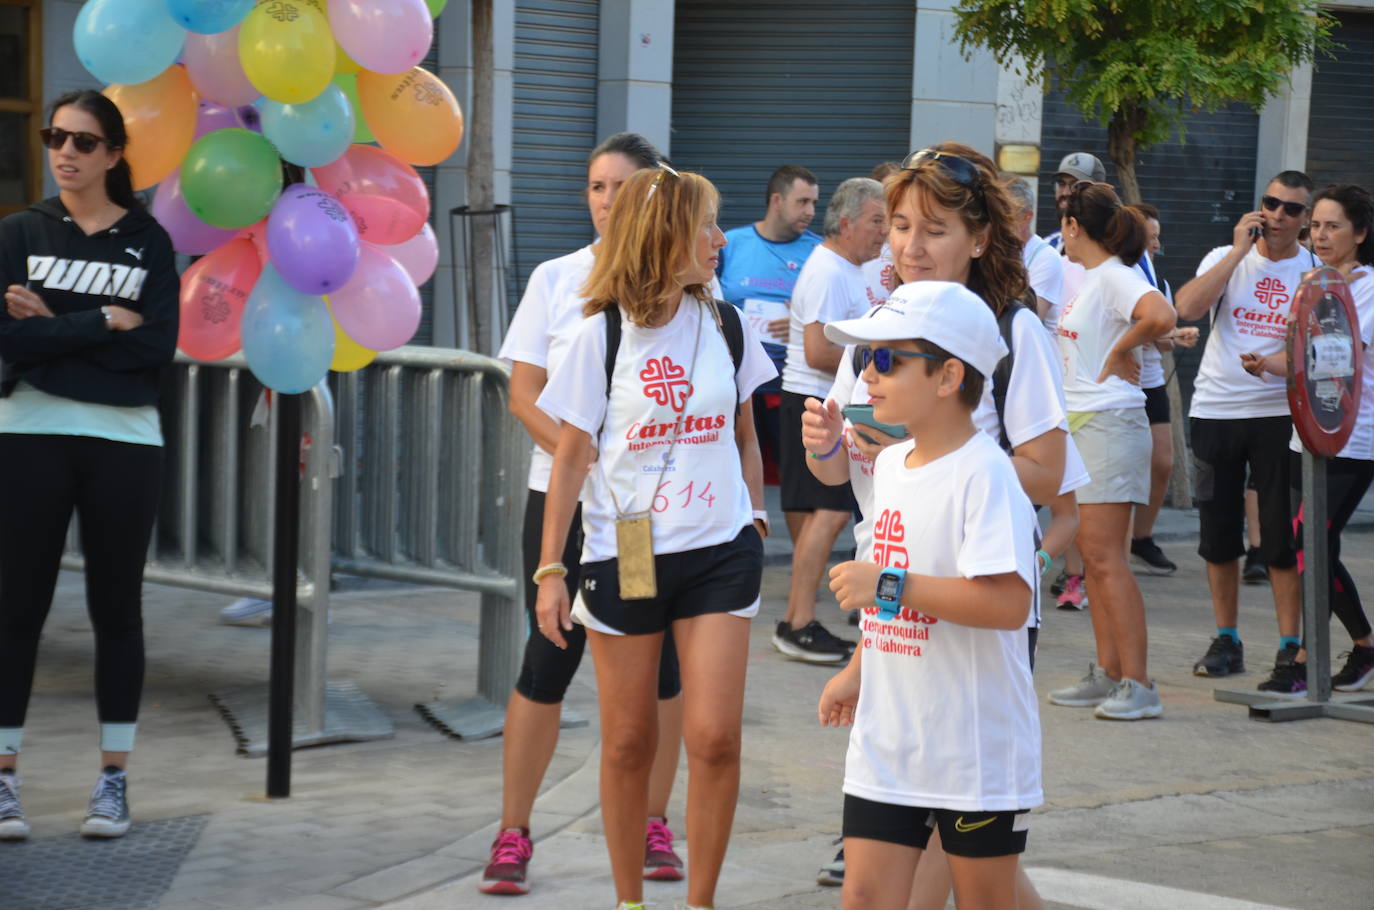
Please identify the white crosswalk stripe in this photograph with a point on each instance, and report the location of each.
(1097, 892)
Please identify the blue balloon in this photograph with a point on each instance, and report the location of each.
(127, 41)
(288, 337)
(311, 134)
(208, 17)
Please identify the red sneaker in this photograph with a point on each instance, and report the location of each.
(661, 864)
(510, 855)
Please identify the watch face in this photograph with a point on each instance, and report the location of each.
(888, 586)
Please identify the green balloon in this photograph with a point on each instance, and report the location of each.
(349, 83)
(231, 178)
(436, 6)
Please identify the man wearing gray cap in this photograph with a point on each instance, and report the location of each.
(1076, 167)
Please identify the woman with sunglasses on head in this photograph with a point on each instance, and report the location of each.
(1114, 312)
(653, 396)
(545, 323)
(951, 219)
(1342, 234)
(90, 319)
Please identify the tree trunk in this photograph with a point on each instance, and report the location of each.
(1121, 147)
(481, 196)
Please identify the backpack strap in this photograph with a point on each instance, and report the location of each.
(1001, 376)
(733, 328)
(612, 314)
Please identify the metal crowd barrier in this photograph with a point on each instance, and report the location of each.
(432, 491)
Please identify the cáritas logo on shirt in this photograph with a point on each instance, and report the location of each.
(666, 383)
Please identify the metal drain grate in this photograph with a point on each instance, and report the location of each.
(71, 873)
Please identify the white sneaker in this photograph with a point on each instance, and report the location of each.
(1130, 700)
(247, 611)
(108, 813)
(1088, 692)
(14, 825)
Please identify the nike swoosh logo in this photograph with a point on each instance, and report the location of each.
(964, 828)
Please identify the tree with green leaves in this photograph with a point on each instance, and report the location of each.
(1139, 66)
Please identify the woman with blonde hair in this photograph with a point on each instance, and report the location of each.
(653, 396)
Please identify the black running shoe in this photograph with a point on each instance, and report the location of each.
(812, 643)
(832, 873)
(1150, 557)
(1358, 670)
(1289, 676)
(1224, 656)
(1256, 571)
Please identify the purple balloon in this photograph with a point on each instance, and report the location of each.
(189, 234)
(251, 118)
(312, 240)
(213, 117)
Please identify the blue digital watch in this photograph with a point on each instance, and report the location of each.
(889, 594)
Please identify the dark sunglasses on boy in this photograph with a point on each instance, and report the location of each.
(1291, 209)
(882, 358)
(55, 138)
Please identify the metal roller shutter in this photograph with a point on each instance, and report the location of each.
(554, 127)
(1340, 133)
(770, 82)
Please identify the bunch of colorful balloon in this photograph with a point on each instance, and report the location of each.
(216, 94)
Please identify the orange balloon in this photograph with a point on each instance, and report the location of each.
(413, 114)
(160, 118)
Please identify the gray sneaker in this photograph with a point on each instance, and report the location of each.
(14, 825)
(1089, 691)
(108, 813)
(1129, 700)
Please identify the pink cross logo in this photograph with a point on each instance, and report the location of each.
(888, 534)
(1271, 293)
(666, 383)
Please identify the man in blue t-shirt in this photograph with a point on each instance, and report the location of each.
(758, 267)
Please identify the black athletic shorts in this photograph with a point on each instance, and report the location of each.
(719, 579)
(801, 491)
(1157, 405)
(1222, 450)
(976, 835)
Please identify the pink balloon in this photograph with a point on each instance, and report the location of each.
(258, 234)
(385, 36)
(214, 291)
(212, 62)
(189, 234)
(379, 307)
(212, 117)
(419, 255)
(385, 196)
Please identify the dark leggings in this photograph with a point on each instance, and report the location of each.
(113, 488)
(547, 669)
(1347, 480)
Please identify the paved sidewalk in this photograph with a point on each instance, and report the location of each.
(1201, 810)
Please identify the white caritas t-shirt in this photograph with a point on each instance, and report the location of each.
(877, 272)
(1251, 317)
(668, 383)
(1046, 269)
(829, 288)
(1360, 445)
(1093, 321)
(947, 716)
(543, 326)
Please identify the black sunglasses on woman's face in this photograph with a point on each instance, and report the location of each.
(55, 138)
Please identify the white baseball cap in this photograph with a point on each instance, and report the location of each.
(942, 312)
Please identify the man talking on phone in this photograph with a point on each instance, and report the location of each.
(1240, 421)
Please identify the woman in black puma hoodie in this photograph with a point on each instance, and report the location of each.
(90, 319)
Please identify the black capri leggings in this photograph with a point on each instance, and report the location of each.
(1347, 480)
(113, 487)
(547, 669)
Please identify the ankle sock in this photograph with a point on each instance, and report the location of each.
(1289, 641)
(117, 737)
(11, 738)
(1230, 632)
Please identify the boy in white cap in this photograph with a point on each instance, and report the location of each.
(947, 731)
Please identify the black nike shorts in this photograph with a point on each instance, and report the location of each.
(976, 835)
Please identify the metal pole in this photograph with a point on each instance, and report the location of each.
(1316, 579)
(285, 558)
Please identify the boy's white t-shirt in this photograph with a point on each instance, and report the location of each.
(947, 716)
(703, 500)
(1092, 323)
(1360, 445)
(829, 288)
(543, 326)
(1046, 269)
(1251, 317)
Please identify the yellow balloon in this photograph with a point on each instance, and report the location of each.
(413, 114)
(160, 117)
(348, 354)
(287, 50)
